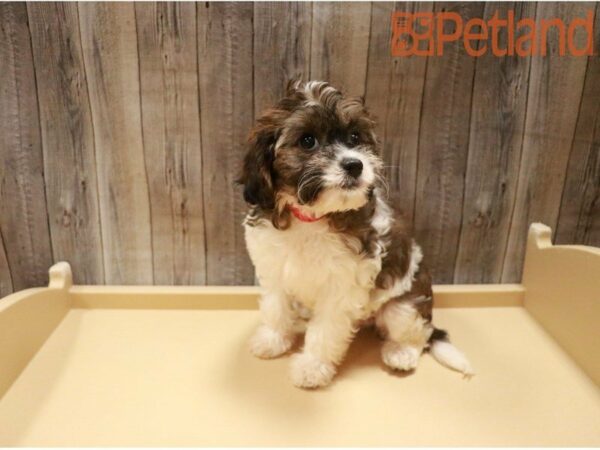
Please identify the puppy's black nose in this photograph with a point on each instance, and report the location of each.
(353, 166)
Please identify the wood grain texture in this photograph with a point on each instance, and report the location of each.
(496, 132)
(123, 127)
(23, 213)
(579, 218)
(68, 139)
(281, 48)
(394, 94)
(168, 54)
(111, 62)
(340, 44)
(226, 98)
(6, 286)
(443, 148)
(555, 88)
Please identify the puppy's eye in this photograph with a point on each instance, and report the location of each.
(354, 139)
(308, 142)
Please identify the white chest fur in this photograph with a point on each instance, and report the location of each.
(310, 263)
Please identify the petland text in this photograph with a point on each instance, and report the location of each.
(425, 33)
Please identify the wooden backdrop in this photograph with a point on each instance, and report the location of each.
(122, 129)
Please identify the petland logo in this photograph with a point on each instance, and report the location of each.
(425, 33)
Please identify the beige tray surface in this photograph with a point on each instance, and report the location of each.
(176, 377)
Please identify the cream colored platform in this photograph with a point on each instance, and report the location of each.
(82, 365)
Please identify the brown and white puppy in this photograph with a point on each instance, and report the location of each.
(326, 246)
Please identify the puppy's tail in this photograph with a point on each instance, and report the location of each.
(447, 354)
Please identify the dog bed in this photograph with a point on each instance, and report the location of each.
(169, 366)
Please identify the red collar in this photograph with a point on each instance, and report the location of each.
(301, 216)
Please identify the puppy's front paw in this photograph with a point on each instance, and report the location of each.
(268, 343)
(400, 357)
(308, 371)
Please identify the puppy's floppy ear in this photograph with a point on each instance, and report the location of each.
(257, 172)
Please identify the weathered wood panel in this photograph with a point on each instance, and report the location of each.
(394, 94)
(226, 99)
(281, 48)
(68, 138)
(555, 88)
(443, 147)
(111, 62)
(168, 55)
(123, 127)
(340, 44)
(579, 218)
(496, 132)
(23, 213)
(6, 286)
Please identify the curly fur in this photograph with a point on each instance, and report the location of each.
(354, 262)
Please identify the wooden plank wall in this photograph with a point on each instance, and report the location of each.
(122, 128)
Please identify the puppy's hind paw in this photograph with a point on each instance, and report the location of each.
(400, 357)
(308, 371)
(268, 343)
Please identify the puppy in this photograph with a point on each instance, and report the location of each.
(327, 247)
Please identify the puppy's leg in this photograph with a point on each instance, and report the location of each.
(275, 336)
(406, 334)
(328, 335)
